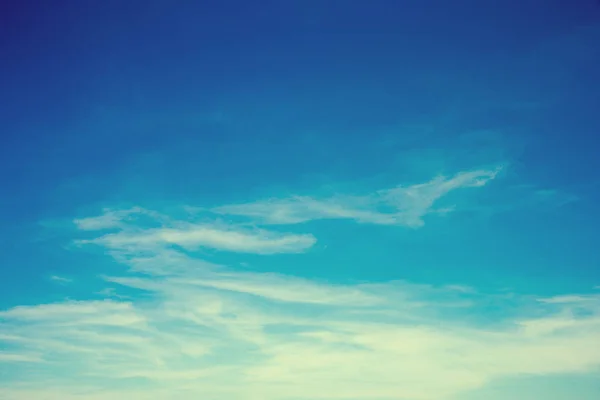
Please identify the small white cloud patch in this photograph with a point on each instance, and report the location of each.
(60, 279)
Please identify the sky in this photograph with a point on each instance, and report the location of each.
(299, 200)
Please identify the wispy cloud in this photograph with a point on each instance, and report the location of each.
(7, 357)
(205, 330)
(401, 205)
(109, 219)
(257, 241)
(60, 279)
(219, 236)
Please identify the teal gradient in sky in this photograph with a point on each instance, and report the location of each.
(298, 200)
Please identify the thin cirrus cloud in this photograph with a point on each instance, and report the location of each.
(109, 219)
(173, 325)
(193, 236)
(406, 205)
(203, 330)
(61, 279)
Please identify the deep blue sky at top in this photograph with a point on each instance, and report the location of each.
(92, 90)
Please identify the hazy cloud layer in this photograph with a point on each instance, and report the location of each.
(173, 325)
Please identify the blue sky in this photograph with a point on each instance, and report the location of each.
(300, 200)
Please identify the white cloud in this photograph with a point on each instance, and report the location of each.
(109, 219)
(569, 299)
(257, 241)
(60, 279)
(191, 236)
(285, 289)
(19, 357)
(176, 326)
(406, 205)
(76, 312)
(194, 338)
(203, 330)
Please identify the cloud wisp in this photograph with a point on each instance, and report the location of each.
(217, 236)
(61, 280)
(401, 205)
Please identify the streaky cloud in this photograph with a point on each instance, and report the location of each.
(218, 236)
(406, 205)
(206, 330)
